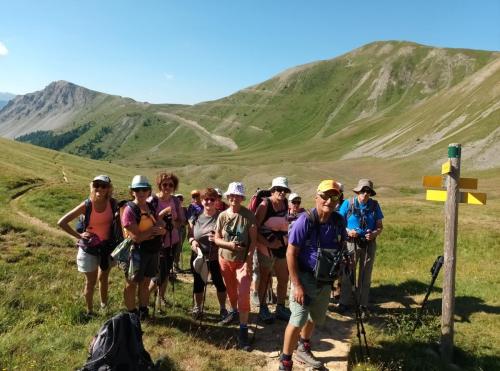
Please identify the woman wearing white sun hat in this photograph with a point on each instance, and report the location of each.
(272, 222)
(236, 234)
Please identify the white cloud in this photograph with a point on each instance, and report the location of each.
(168, 76)
(3, 50)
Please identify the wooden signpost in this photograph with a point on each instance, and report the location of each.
(450, 178)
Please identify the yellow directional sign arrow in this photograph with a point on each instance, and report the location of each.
(437, 181)
(472, 198)
(446, 167)
(433, 181)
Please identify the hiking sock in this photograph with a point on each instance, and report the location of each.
(304, 341)
(285, 357)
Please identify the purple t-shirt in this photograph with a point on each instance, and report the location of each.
(331, 235)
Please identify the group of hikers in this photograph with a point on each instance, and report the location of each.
(241, 249)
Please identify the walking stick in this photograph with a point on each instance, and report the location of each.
(436, 267)
(360, 327)
(207, 261)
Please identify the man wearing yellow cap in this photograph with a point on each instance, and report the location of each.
(315, 242)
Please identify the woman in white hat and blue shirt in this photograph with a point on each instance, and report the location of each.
(236, 234)
(146, 235)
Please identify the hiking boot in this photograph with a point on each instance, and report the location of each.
(231, 317)
(285, 365)
(365, 313)
(243, 342)
(304, 355)
(282, 312)
(223, 313)
(264, 315)
(342, 309)
(196, 313)
(143, 314)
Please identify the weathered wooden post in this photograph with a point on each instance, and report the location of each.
(450, 251)
(450, 173)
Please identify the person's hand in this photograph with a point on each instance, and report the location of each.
(158, 231)
(236, 247)
(195, 246)
(298, 294)
(165, 211)
(87, 235)
(352, 233)
(370, 235)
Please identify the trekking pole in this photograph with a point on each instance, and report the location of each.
(360, 327)
(261, 300)
(436, 267)
(207, 261)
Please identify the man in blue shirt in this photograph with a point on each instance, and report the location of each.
(321, 228)
(364, 224)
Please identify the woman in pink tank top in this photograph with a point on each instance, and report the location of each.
(92, 236)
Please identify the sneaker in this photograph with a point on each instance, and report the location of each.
(231, 317)
(223, 313)
(282, 312)
(254, 298)
(304, 355)
(243, 342)
(285, 365)
(264, 315)
(196, 313)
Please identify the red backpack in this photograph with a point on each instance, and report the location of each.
(257, 198)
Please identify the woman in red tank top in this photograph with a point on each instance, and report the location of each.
(92, 237)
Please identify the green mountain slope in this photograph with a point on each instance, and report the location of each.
(394, 101)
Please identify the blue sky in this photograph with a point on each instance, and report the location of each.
(190, 51)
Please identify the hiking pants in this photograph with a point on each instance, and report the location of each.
(364, 257)
(237, 283)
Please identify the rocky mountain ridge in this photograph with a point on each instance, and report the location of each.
(389, 100)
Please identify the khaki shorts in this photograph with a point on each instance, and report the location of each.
(88, 263)
(318, 297)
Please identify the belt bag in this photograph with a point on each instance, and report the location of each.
(327, 263)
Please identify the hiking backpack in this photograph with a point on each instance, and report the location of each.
(354, 210)
(118, 346)
(257, 198)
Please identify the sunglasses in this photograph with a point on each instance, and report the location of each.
(209, 199)
(137, 190)
(366, 190)
(169, 185)
(100, 185)
(326, 197)
(281, 189)
(296, 202)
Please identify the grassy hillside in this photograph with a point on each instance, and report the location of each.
(40, 290)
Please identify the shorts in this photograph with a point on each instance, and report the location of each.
(88, 263)
(265, 261)
(318, 297)
(148, 266)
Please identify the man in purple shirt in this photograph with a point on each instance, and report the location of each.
(319, 229)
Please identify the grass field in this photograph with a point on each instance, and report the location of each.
(42, 322)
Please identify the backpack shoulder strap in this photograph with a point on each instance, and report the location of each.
(136, 210)
(88, 211)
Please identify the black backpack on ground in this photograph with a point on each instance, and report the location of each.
(118, 346)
